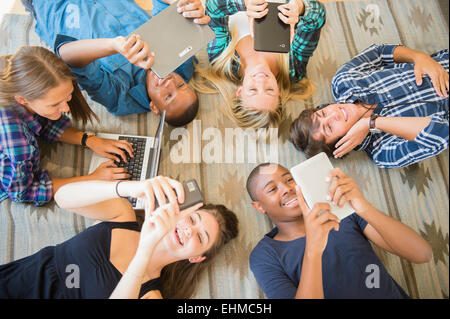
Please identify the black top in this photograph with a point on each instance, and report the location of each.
(77, 268)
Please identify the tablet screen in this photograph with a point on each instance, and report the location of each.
(311, 176)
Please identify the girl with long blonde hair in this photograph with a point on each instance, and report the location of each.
(256, 85)
(37, 90)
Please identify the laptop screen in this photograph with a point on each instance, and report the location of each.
(156, 150)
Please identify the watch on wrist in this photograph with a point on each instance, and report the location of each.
(372, 128)
(85, 137)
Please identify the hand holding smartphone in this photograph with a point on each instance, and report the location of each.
(192, 195)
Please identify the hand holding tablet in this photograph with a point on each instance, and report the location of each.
(173, 36)
(271, 34)
(313, 177)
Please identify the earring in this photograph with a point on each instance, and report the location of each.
(195, 259)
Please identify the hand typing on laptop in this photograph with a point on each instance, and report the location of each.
(109, 171)
(119, 151)
(112, 149)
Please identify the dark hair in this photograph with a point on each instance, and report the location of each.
(251, 178)
(301, 135)
(180, 279)
(187, 117)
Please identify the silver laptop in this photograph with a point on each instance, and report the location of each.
(144, 164)
(173, 38)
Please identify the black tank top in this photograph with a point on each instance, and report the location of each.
(77, 268)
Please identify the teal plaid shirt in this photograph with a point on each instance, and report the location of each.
(305, 41)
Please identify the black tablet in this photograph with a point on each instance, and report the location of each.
(270, 33)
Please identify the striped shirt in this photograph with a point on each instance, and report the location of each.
(303, 45)
(21, 177)
(373, 77)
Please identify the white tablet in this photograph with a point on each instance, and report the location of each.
(311, 176)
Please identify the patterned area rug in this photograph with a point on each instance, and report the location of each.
(417, 195)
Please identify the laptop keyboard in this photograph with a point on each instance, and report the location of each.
(134, 164)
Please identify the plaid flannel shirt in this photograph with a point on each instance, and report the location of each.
(305, 41)
(373, 77)
(21, 178)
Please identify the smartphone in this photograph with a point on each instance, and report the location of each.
(311, 176)
(192, 195)
(270, 33)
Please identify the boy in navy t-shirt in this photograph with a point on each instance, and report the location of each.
(312, 254)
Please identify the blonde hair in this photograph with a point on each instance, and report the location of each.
(31, 72)
(219, 78)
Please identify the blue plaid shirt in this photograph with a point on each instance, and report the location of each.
(373, 77)
(21, 177)
(303, 45)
